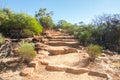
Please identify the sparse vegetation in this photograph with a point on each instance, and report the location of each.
(26, 51)
(93, 51)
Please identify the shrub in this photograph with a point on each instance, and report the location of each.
(2, 39)
(93, 51)
(19, 22)
(26, 51)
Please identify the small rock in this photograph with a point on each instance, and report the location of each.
(27, 71)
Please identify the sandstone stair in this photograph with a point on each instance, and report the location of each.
(58, 44)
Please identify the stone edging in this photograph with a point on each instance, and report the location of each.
(77, 71)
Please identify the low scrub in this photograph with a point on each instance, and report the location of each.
(2, 39)
(26, 51)
(93, 51)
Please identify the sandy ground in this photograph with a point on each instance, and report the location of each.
(71, 59)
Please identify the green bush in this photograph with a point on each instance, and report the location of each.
(26, 51)
(2, 39)
(93, 51)
(19, 22)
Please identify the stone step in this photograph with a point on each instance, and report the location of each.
(61, 50)
(61, 43)
(99, 75)
(63, 37)
(59, 34)
(66, 40)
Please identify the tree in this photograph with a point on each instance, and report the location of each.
(8, 12)
(63, 24)
(3, 16)
(45, 18)
(108, 30)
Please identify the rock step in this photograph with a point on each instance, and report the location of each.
(67, 40)
(63, 37)
(61, 43)
(59, 34)
(74, 70)
(61, 50)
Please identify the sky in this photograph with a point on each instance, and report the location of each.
(73, 11)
